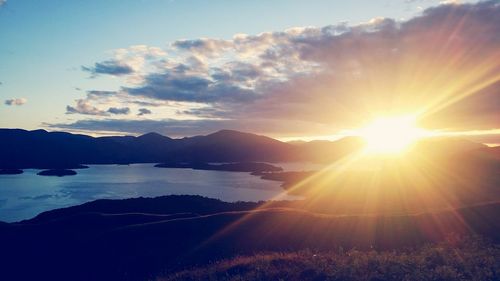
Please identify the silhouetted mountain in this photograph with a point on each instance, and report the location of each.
(55, 150)
(327, 151)
(49, 150)
(136, 239)
(230, 146)
(459, 156)
(153, 137)
(446, 146)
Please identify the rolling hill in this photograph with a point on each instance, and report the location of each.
(137, 239)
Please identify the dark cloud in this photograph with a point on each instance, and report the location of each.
(143, 111)
(15, 101)
(111, 67)
(190, 88)
(119, 111)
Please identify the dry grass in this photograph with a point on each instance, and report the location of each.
(462, 259)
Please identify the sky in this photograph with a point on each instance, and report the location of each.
(286, 69)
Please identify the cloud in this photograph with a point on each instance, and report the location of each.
(450, 2)
(110, 67)
(116, 102)
(16, 101)
(84, 107)
(130, 63)
(3, 2)
(119, 111)
(442, 64)
(203, 46)
(144, 111)
(190, 88)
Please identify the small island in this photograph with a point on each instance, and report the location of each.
(57, 172)
(253, 167)
(11, 171)
(288, 179)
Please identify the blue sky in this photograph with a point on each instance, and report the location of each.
(45, 44)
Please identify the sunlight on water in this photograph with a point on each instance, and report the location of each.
(24, 196)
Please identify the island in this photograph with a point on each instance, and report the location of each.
(11, 171)
(253, 167)
(57, 172)
(288, 179)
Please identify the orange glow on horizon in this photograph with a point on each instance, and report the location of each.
(391, 135)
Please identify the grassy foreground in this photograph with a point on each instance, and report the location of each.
(457, 259)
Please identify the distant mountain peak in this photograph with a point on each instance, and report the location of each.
(153, 135)
(234, 133)
(237, 135)
(227, 132)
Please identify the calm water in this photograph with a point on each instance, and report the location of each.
(26, 195)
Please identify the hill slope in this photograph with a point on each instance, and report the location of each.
(94, 242)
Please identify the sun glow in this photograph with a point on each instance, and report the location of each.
(391, 135)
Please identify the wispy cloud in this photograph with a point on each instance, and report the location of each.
(16, 101)
(111, 67)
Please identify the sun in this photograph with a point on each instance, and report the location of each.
(391, 135)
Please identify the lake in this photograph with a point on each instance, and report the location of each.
(26, 195)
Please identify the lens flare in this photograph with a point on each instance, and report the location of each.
(391, 135)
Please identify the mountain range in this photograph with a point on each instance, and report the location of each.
(20, 149)
(41, 149)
